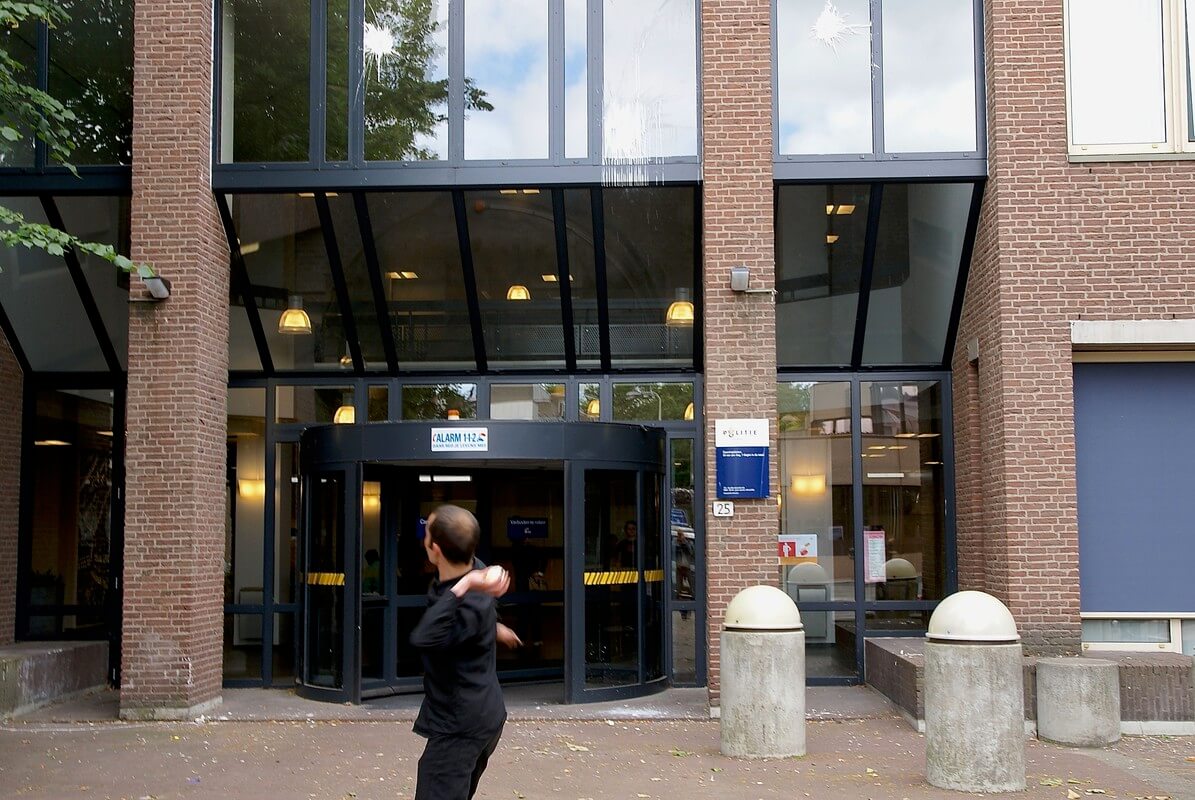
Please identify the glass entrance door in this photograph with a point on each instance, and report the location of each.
(620, 598)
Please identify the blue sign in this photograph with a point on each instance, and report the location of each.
(741, 458)
(678, 517)
(520, 528)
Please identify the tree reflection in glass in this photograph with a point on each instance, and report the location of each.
(406, 80)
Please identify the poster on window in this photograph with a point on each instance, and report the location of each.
(874, 557)
(797, 548)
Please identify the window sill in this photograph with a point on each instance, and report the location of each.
(1096, 158)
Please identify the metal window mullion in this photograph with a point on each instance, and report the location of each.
(981, 99)
(241, 284)
(960, 287)
(877, 79)
(949, 518)
(40, 152)
(373, 264)
(599, 265)
(268, 543)
(869, 251)
(563, 279)
(356, 79)
(469, 277)
(342, 289)
(456, 81)
(317, 81)
(86, 298)
(860, 591)
(556, 117)
(595, 77)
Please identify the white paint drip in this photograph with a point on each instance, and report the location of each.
(380, 44)
(831, 27)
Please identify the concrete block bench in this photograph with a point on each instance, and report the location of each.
(1078, 701)
(33, 674)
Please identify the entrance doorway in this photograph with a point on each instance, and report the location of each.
(573, 511)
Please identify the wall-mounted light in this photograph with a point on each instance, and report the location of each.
(689, 412)
(294, 319)
(345, 415)
(740, 282)
(809, 485)
(518, 292)
(251, 488)
(680, 313)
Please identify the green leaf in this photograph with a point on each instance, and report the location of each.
(9, 134)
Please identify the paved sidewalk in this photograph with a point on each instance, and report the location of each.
(879, 758)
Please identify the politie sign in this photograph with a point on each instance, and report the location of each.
(741, 457)
(450, 440)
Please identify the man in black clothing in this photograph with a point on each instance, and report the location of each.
(463, 712)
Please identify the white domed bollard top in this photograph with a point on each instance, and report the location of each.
(762, 608)
(808, 573)
(974, 696)
(972, 617)
(763, 676)
(897, 568)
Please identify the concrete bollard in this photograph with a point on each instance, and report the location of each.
(974, 697)
(1078, 701)
(763, 676)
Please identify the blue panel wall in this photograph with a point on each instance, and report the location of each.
(1135, 443)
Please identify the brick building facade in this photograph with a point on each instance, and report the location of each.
(911, 350)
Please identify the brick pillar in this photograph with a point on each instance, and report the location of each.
(1017, 519)
(739, 330)
(11, 393)
(178, 374)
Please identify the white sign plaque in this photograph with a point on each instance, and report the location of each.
(456, 440)
(723, 508)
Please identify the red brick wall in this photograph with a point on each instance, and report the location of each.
(740, 330)
(174, 519)
(10, 485)
(1059, 242)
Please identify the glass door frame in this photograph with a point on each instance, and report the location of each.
(860, 606)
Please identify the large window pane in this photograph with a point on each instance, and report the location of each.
(929, 76)
(682, 524)
(443, 402)
(317, 405)
(91, 73)
(529, 401)
(336, 82)
(287, 261)
(21, 46)
(576, 84)
(817, 497)
(264, 81)
(832, 113)
(104, 220)
(916, 269)
(578, 215)
(649, 102)
(242, 347)
(1190, 59)
(513, 240)
(245, 524)
(31, 282)
(904, 488)
(71, 547)
(356, 279)
(1116, 72)
(506, 59)
(820, 236)
(650, 265)
(406, 80)
(653, 401)
(420, 259)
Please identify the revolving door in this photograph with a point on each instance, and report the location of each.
(572, 510)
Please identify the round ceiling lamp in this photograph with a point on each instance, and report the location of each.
(689, 412)
(518, 292)
(594, 408)
(680, 313)
(294, 319)
(345, 415)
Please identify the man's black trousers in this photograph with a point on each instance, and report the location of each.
(451, 766)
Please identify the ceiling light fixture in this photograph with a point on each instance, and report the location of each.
(51, 443)
(518, 292)
(294, 319)
(680, 313)
(593, 408)
(831, 238)
(689, 412)
(345, 415)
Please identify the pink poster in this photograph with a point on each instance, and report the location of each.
(874, 557)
